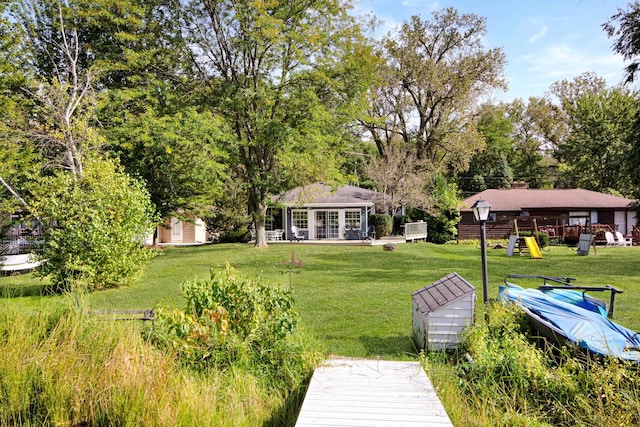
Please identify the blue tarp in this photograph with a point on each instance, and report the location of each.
(577, 298)
(586, 328)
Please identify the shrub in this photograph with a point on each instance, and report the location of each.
(523, 382)
(94, 226)
(382, 223)
(444, 226)
(229, 321)
(444, 218)
(242, 235)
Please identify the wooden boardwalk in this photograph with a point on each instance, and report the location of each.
(371, 393)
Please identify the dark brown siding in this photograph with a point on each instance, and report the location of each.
(500, 228)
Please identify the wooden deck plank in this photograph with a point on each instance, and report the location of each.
(372, 393)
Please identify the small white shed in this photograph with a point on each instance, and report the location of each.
(441, 311)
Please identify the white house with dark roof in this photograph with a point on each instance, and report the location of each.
(559, 208)
(321, 212)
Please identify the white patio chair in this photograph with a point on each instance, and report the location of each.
(296, 234)
(611, 241)
(622, 241)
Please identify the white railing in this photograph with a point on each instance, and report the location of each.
(415, 231)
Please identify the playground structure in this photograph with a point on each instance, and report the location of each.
(525, 244)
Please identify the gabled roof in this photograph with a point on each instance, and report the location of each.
(322, 195)
(442, 292)
(522, 199)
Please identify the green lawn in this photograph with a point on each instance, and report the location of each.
(357, 299)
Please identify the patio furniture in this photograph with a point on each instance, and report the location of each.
(623, 241)
(352, 233)
(370, 234)
(274, 235)
(296, 234)
(611, 241)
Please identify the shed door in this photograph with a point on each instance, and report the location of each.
(176, 230)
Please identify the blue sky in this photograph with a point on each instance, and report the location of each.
(544, 41)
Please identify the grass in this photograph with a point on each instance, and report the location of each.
(357, 300)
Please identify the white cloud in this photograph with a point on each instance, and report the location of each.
(420, 4)
(535, 72)
(542, 31)
(562, 59)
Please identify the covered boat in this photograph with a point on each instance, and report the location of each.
(563, 318)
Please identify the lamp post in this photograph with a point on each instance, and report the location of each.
(481, 210)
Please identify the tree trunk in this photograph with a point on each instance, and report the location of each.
(258, 211)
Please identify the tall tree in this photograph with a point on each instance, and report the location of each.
(19, 164)
(624, 26)
(595, 155)
(490, 167)
(534, 124)
(433, 74)
(569, 92)
(95, 216)
(143, 112)
(179, 156)
(284, 73)
(63, 86)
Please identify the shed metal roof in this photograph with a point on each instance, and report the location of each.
(442, 292)
(522, 199)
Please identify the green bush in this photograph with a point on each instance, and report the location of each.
(382, 223)
(443, 227)
(94, 226)
(243, 235)
(444, 217)
(232, 321)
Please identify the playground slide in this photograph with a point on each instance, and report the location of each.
(534, 249)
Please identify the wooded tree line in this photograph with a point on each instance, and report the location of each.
(215, 106)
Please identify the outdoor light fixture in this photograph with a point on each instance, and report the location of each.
(481, 209)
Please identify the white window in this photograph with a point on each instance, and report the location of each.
(300, 219)
(352, 220)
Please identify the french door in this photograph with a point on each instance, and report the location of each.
(327, 224)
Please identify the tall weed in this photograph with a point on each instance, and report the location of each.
(512, 381)
(63, 367)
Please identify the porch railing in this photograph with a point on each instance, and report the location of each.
(21, 245)
(415, 231)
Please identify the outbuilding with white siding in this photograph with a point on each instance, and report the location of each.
(441, 311)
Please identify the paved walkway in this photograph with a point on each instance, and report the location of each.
(371, 393)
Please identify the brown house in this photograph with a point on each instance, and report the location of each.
(561, 212)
